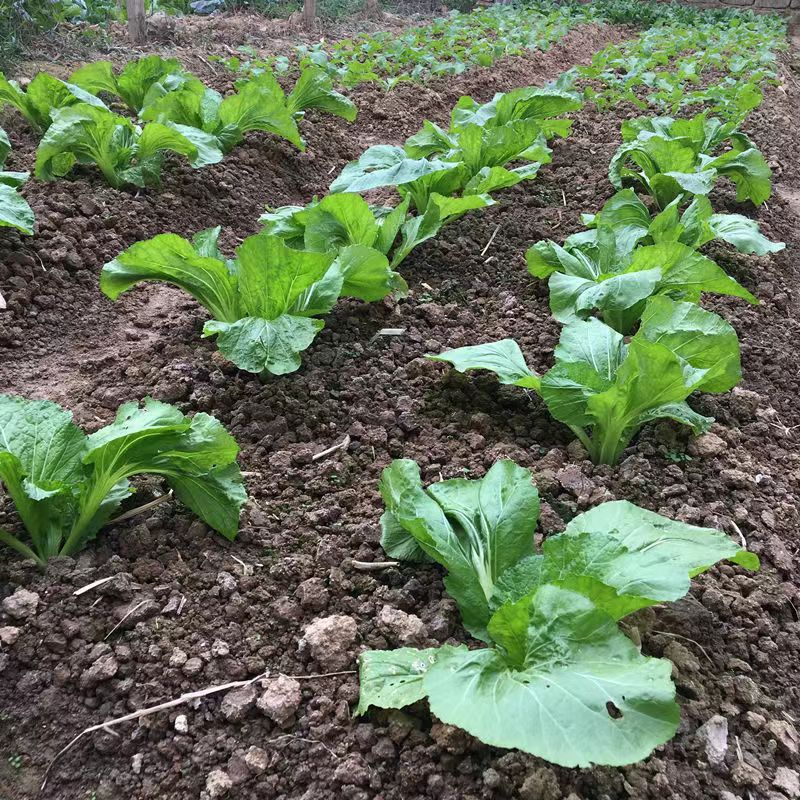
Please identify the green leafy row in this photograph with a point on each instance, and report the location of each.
(447, 46)
(180, 114)
(719, 59)
(265, 303)
(557, 678)
(66, 485)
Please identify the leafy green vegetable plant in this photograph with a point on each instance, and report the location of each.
(670, 159)
(14, 209)
(43, 96)
(259, 104)
(559, 678)
(125, 153)
(264, 303)
(610, 268)
(138, 83)
(695, 226)
(345, 219)
(605, 389)
(66, 485)
(471, 157)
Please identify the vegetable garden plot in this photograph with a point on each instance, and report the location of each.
(311, 517)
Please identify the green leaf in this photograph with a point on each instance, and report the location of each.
(336, 221)
(393, 678)
(314, 89)
(271, 278)
(367, 274)
(216, 497)
(385, 165)
(622, 558)
(259, 105)
(743, 234)
(172, 259)
(749, 171)
(138, 77)
(475, 529)
(14, 209)
(583, 694)
(41, 453)
(96, 77)
(265, 345)
(503, 358)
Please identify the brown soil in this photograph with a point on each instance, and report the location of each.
(733, 640)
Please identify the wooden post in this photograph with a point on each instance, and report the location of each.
(372, 10)
(309, 13)
(137, 27)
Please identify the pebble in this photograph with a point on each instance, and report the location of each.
(8, 635)
(256, 759)
(218, 783)
(181, 724)
(22, 604)
(237, 702)
(103, 669)
(193, 666)
(406, 628)
(714, 735)
(707, 446)
(280, 700)
(788, 781)
(330, 639)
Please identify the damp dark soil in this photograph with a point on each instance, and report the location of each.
(186, 610)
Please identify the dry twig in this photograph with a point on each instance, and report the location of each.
(184, 698)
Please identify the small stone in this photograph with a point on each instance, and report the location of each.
(754, 720)
(707, 446)
(103, 669)
(193, 666)
(237, 702)
(541, 784)
(714, 734)
(220, 649)
(22, 604)
(227, 584)
(743, 774)
(681, 657)
(735, 478)
(178, 658)
(8, 635)
(181, 724)
(280, 700)
(574, 481)
(408, 629)
(449, 738)
(257, 760)
(788, 781)
(218, 783)
(136, 763)
(330, 639)
(352, 771)
(785, 734)
(746, 690)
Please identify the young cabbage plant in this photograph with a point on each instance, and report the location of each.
(697, 225)
(605, 389)
(125, 153)
(43, 96)
(558, 678)
(675, 158)
(138, 83)
(14, 209)
(66, 485)
(471, 157)
(603, 274)
(263, 303)
(344, 219)
(258, 105)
